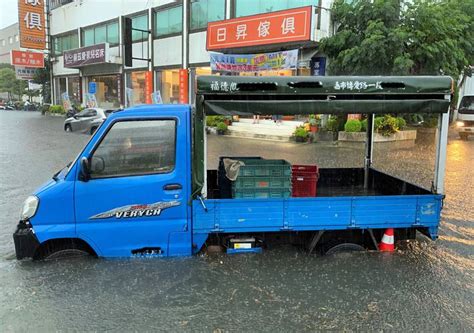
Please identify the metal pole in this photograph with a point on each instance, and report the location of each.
(441, 148)
(185, 35)
(369, 149)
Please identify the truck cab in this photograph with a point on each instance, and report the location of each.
(125, 194)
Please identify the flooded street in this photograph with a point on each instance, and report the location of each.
(427, 286)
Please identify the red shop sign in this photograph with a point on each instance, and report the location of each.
(183, 86)
(27, 59)
(272, 28)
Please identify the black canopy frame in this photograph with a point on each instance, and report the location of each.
(371, 95)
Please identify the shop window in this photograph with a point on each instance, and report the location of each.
(136, 88)
(168, 83)
(139, 22)
(107, 93)
(169, 21)
(61, 87)
(74, 90)
(204, 11)
(252, 7)
(101, 34)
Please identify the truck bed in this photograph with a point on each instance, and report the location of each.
(388, 202)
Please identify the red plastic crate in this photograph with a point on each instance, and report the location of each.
(304, 180)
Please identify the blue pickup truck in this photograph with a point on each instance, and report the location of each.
(140, 187)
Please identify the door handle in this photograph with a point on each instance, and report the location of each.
(172, 187)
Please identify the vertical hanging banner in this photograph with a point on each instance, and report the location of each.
(148, 86)
(31, 19)
(183, 86)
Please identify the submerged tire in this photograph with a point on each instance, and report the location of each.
(68, 128)
(344, 248)
(93, 129)
(62, 249)
(66, 254)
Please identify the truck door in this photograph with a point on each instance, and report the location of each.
(135, 202)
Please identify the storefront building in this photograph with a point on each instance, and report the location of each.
(202, 36)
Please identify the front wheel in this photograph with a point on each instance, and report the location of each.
(66, 254)
(68, 128)
(93, 129)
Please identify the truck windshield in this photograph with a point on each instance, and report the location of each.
(467, 105)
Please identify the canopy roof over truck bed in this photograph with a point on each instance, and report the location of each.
(298, 95)
(243, 95)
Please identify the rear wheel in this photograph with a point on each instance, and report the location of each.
(68, 128)
(344, 248)
(93, 129)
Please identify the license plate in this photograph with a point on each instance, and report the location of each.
(242, 246)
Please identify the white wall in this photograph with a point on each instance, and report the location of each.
(325, 29)
(82, 13)
(137, 53)
(167, 51)
(59, 69)
(197, 48)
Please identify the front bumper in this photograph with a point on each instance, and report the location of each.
(25, 240)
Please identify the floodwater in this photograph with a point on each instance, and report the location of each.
(427, 286)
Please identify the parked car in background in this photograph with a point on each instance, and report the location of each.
(86, 121)
(465, 117)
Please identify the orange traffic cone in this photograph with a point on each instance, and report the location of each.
(387, 244)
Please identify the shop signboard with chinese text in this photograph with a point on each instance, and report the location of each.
(89, 55)
(318, 66)
(254, 62)
(31, 20)
(148, 86)
(293, 25)
(27, 59)
(24, 73)
(183, 86)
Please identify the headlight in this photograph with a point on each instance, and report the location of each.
(460, 123)
(29, 208)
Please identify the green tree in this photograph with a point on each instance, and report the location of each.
(394, 37)
(10, 84)
(7, 81)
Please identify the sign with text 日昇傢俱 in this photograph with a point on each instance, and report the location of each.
(31, 19)
(293, 25)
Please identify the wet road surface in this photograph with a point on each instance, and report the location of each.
(428, 286)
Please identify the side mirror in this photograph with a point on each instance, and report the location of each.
(85, 169)
(97, 164)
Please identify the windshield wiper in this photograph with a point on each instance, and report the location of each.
(55, 176)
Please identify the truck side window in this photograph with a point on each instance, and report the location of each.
(136, 148)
